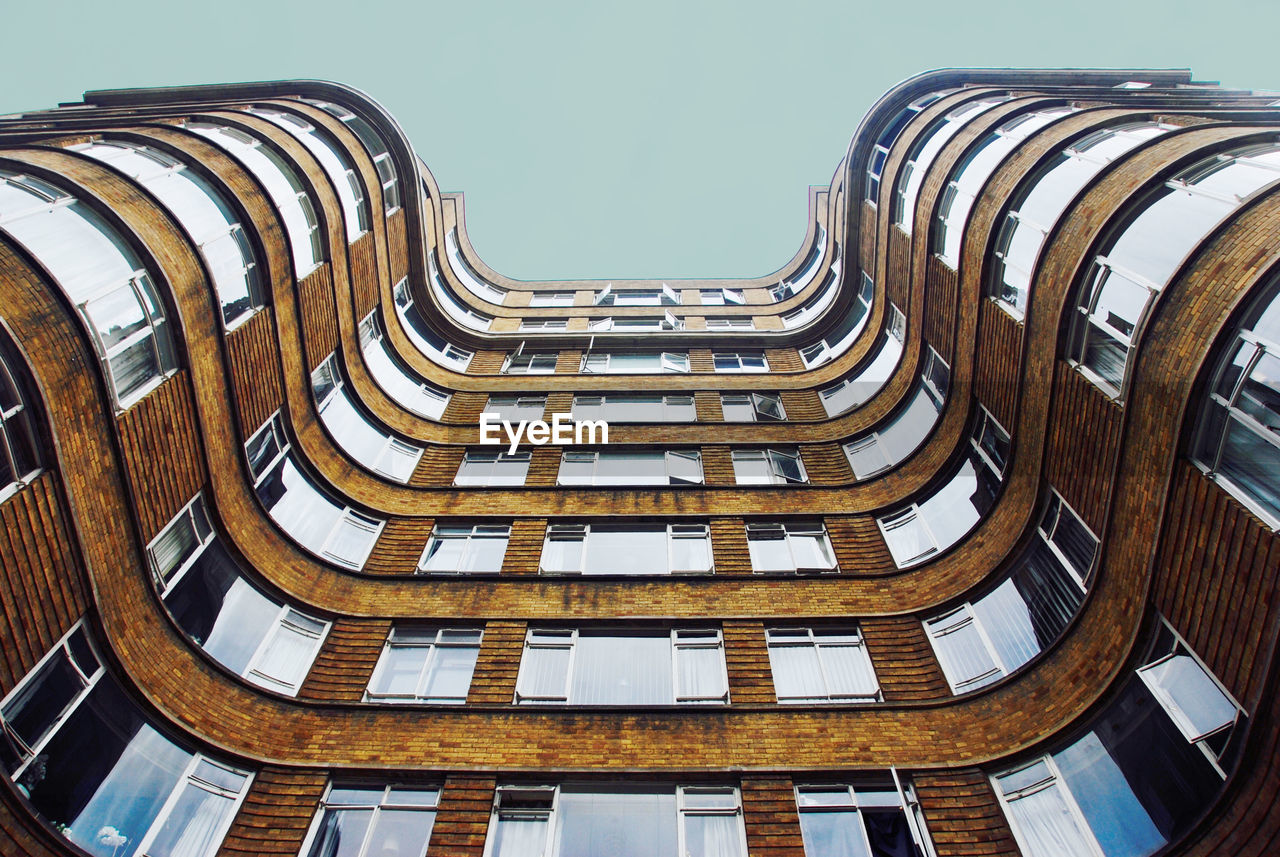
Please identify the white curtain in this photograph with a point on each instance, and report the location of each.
(713, 836)
(1048, 827)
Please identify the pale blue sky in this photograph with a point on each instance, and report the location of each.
(596, 139)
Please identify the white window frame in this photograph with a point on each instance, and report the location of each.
(508, 406)
(797, 529)
(452, 357)
(740, 362)
(530, 363)
(392, 447)
(759, 414)
(907, 802)
(693, 455)
(543, 324)
(1053, 780)
(602, 362)
(668, 407)
(814, 639)
(772, 457)
(317, 821)
(371, 334)
(551, 299)
(477, 457)
(674, 532)
(680, 639)
(463, 532)
(445, 638)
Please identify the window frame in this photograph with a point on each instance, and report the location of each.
(753, 401)
(322, 807)
(430, 662)
(474, 531)
(789, 529)
(581, 456)
(674, 532)
(771, 456)
(814, 640)
(748, 362)
(472, 456)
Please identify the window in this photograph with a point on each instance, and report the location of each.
(1190, 694)
(333, 160)
(1139, 777)
(871, 817)
(332, 531)
(737, 322)
(369, 821)
(543, 299)
(608, 296)
(779, 466)
(437, 349)
(864, 382)
(1238, 437)
(850, 326)
(396, 380)
(375, 449)
(374, 146)
(205, 215)
(19, 449)
(529, 363)
(972, 173)
(942, 519)
(666, 321)
(1038, 205)
(94, 265)
(462, 548)
(752, 407)
(297, 209)
(807, 270)
(925, 149)
(821, 665)
(1136, 263)
(632, 363)
(596, 667)
(606, 548)
(635, 408)
(816, 305)
(543, 324)
(514, 409)
(425, 665)
(884, 448)
(621, 820)
(75, 746)
(475, 284)
(884, 142)
(720, 297)
(492, 469)
(740, 361)
(461, 313)
(790, 546)
(638, 467)
(988, 638)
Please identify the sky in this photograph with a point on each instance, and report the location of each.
(663, 138)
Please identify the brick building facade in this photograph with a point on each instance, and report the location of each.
(955, 536)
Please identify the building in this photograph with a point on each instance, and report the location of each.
(956, 536)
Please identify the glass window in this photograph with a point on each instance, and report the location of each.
(604, 548)
(664, 295)
(1139, 260)
(973, 171)
(19, 447)
(633, 363)
(536, 324)
(632, 467)
(425, 665)
(635, 408)
(884, 448)
(492, 468)
(865, 381)
(333, 160)
(778, 466)
(740, 361)
(1139, 777)
(356, 820)
(530, 363)
(437, 349)
(545, 299)
(281, 182)
(846, 332)
(463, 548)
(884, 142)
(337, 533)
(396, 380)
(621, 820)
(925, 149)
(92, 263)
(1040, 202)
(355, 433)
(937, 522)
(806, 272)
(720, 297)
(821, 665)
(461, 313)
(790, 546)
(474, 283)
(515, 409)
(94, 768)
(373, 144)
(598, 667)
(752, 407)
(1238, 438)
(205, 215)
(870, 817)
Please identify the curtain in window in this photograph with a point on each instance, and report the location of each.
(341, 833)
(544, 672)
(700, 673)
(796, 674)
(849, 670)
(622, 671)
(1048, 827)
(713, 836)
(519, 837)
(194, 825)
(833, 834)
